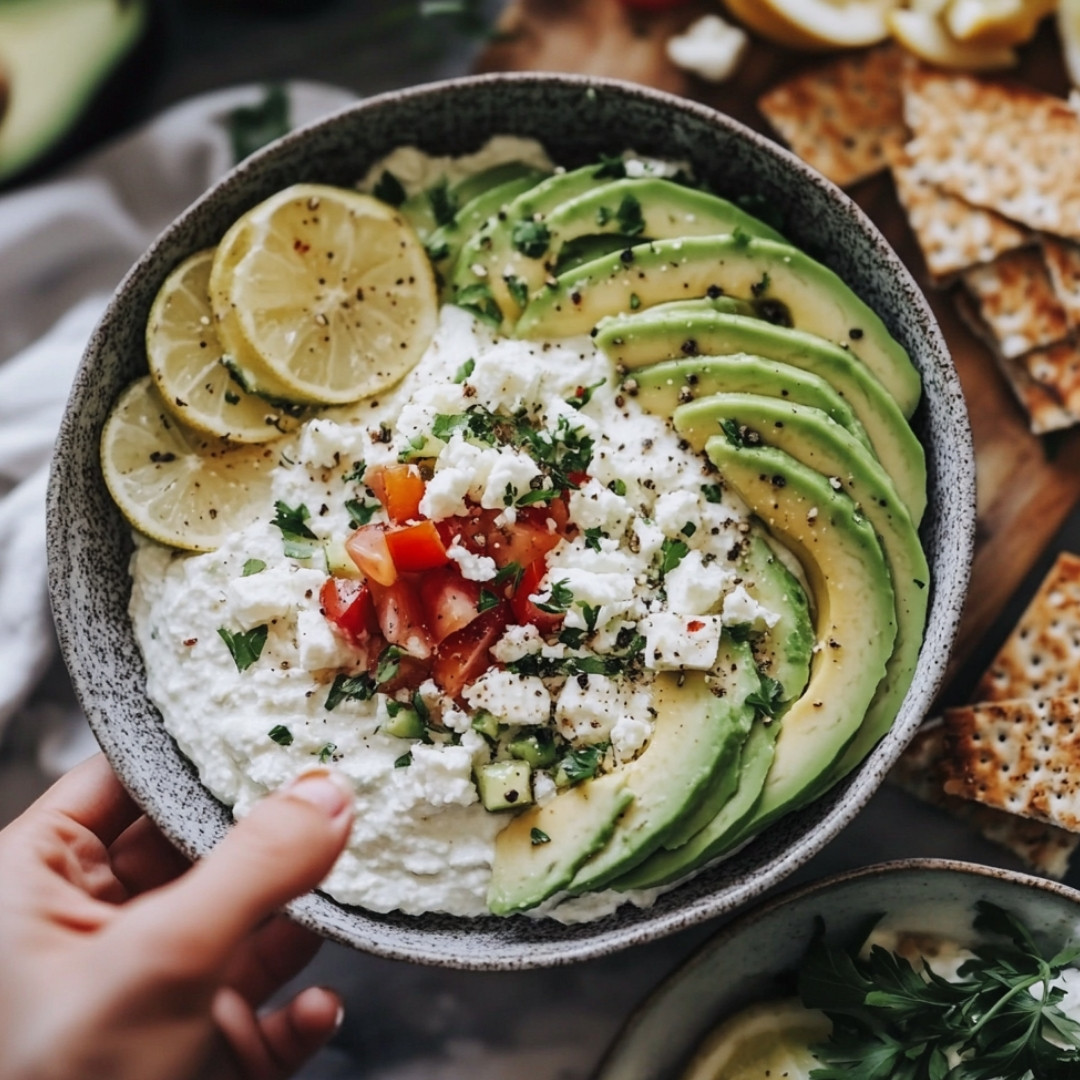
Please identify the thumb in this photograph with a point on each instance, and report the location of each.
(282, 849)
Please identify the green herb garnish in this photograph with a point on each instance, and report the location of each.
(612, 167)
(298, 540)
(583, 395)
(361, 512)
(768, 699)
(350, 688)
(531, 238)
(404, 761)
(582, 764)
(326, 754)
(560, 600)
(281, 735)
(479, 301)
(465, 370)
(487, 601)
(251, 127)
(672, 552)
(538, 836)
(629, 215)
(389, 189)
(713, 493)
(253, 566)
(517, 289)
(442, 203)
(245, 648)
(389, 664)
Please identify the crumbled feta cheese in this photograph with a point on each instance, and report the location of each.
(629, 735)
(516, 642)
(710, 47)
(650, 539)
(510, 474)
(324, 444)
(320, 646)
(696, 587)
(677, 642)
(517, 699)
(675, 509)
(741, 607)
(544, 789)
(595, 506)
(441, 775)
(472, 567)
(271, 594)
(588, 708)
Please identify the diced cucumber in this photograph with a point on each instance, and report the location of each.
(504, 785)
(338, 561)
(405, 722)
(537, 748)
(486, 723)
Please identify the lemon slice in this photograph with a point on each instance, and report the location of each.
(323, 295)
(767, 1040)
(1068, 18)
(927, 37)
(184, 352)
(819, 24)
(991, 23)
(177, 487)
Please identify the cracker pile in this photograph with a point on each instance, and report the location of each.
(988, 173)
(1010, 763)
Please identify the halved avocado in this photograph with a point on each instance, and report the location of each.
(811, 438)
(711, 328)
(662, 388)
(746, 267)
(54, 56)
(691, 759)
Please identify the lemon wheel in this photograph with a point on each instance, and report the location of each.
(996, 23)
(929, 39)
(182, 489)
(771, 1039)
(185, 355)
(817, 24)
(323, 295)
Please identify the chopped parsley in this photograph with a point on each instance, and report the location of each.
(603, 216)
(231, 398)
(629, 216)
(593, 536)
(281, 735)
(672, 552)
(759, 288)
(356, 474)
(389, 189)
(713, 493)
(487, 601)
(245, 648)
(560, 600)
(733, 433)
(582, 764)
(442, 202)
(389, 664)
(739, 632)
(768, 699)
(253, 566)
(612, 167)
(517, 289)
(583, 395)
(465, 370)
(327, 753)
(531, 238)
(591, 614)
(630, 657)
(538, 836)
(350, 688)
(404, 761)
(479, 301)
(361, 512)
(436, 252)
(688, 529)
(635, 301)
(298, 540)
(511, 574)
(618, 486)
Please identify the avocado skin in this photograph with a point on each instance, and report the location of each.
(742, 266)
(714, 328)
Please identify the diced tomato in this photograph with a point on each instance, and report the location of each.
(348, 604)
(470, 530)
(411, 673)
(416, 547)
(399, 487)
(525, 611)
(450, 601)
(368, 549)
(465, 656)
(527, 540)
(401, 618)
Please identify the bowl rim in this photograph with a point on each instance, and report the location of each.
(705, 951)
(605, 934)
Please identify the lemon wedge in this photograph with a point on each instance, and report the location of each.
(1068, 18)
(179, 488)
(927, 37)
(996, 23)
(771, 1039)
(323, 295)
(817, 24)
(185, 357)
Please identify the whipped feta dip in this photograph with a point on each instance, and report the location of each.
(422, 841)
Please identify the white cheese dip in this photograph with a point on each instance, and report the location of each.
(422, 841)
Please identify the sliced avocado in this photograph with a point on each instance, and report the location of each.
(742, 266)
(712, 328)
(632, 209)
(539, 852)
(662, 388)
(445, 243)
(691, 757)
(855, 614)
(54, 55)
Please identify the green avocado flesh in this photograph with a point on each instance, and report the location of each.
(663, 388)
(810, 437)
(742, 266)
(705, 328)
(55, 54)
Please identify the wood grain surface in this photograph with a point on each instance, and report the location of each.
(1026, 485)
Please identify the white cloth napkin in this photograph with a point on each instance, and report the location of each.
(64, 245)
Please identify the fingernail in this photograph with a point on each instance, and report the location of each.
(321, 788)
(339, 1019)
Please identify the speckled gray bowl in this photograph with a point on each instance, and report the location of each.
(576, 118)
(746, 961)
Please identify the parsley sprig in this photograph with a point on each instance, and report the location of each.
(297, 539)
(891, 1022)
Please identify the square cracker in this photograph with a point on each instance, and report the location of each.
(1057, 370)
(1045, 848)
(998, 145)
(1041, 657)
(1020, 755)
(1044, 408)
(952, 234)
(843, 117)
(1063, 261)
(1016, 300)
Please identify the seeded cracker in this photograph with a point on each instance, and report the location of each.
(1016, 300)
(952, 234)
(1044, 408)
(1041, 657)
(1063, 261)
(1022, 756)
(997, 145)
(844, 117)
(1044, 848)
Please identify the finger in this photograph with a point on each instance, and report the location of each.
(143, 859)
(273, 1047)
(284, 848)
(276, 952)
(91, 796)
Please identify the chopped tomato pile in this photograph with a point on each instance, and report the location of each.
(414, 596)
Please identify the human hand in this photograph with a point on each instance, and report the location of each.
(118, 961)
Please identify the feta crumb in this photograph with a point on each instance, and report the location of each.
(544, 789)
(473, 567)
(695, 587)
(441, 775)
(678, 642)
(588, 708)
(674, 509)
(741, 607)
(710, 47)
(517, 699)
(275, 592)
(319, 644)
(629, 735)
(516, 642)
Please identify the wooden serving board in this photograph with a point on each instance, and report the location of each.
(1026, 485)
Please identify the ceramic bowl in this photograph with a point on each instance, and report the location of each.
(745, 961)
(576, 118)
